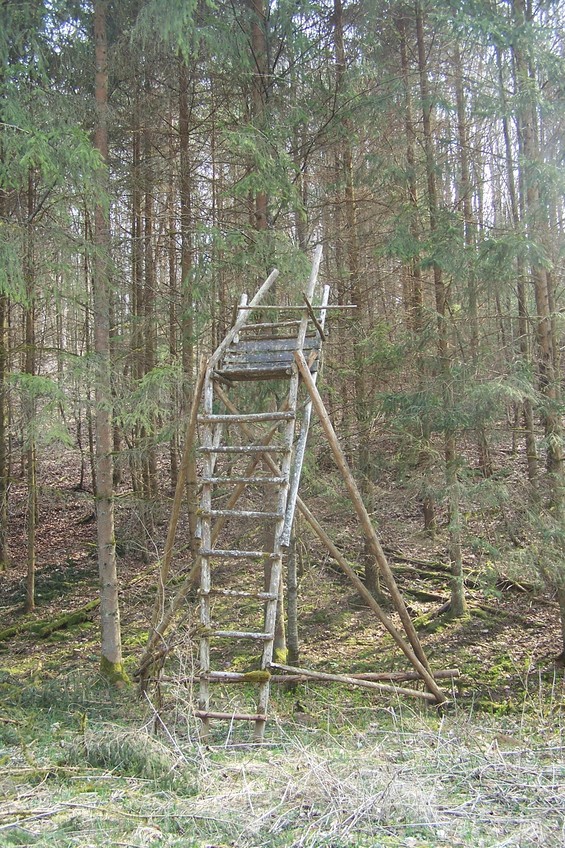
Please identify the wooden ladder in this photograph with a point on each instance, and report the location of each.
(254, 457)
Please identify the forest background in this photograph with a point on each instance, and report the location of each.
(157, 158)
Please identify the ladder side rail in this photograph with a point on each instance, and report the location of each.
(205, 581)
(213, 457)
(286, 462)
(300, 449)
(276, 565)
(212, 436)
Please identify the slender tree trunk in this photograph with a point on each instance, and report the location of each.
(470, 241)
(111, 649)
(148, 488)
(173, 351)
(536, 225)
(415, 294)
(29, 402)
(259, 94)
(188, 347)
(523, 328)
(187, 319)
(560, 660)
(362, 400)
(88, 351)
(4, 371)
(457, 602)
(137, 341)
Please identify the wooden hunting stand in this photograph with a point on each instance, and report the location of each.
(250, 464)
(253, 440)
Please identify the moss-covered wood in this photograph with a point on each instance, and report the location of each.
(44, 628)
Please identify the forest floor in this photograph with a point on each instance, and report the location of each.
(81, 764)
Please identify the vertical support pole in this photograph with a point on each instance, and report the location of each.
(301, 447)
(276, 568)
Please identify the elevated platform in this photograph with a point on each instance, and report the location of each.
(259, 357)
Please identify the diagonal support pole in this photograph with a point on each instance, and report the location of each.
(364, 518)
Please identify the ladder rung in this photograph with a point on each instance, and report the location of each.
(265, 481)
(239, 513)
(235, 593)
(227, 554)
(242, 634)
(254, 374)
(229, 677)
(266, 308)
(244, 449)
(257, 677)
(248, 416)
(230, 716)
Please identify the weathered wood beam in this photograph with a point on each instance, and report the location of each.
(355, 681)
(366, 524)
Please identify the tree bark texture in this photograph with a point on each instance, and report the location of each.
(111, 650)
(458, 603)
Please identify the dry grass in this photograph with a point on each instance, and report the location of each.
(407, 779)
(458, 784)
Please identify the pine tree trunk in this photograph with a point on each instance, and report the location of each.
(470, 238)
(415, 295)
(536, 225)
(561, 601)
(173, 293)
(457, 601)
(111, 649)
(259, 93)
(187, 320)
(362, 401)
(4, 371)
(523, 324)
(148, 460)
(137, 343)
(88, 341)
(29, 402)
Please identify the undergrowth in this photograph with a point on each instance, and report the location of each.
(83, 765)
